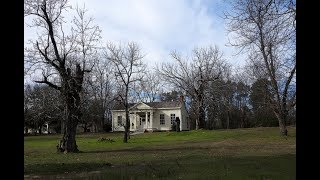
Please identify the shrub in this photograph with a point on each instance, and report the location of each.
(102, 139)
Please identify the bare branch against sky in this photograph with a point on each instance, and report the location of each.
(158, 26)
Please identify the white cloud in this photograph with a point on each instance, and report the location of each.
(159, 26)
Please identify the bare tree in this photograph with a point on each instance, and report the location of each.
(220, 100)
(62, 58)
(266, 29)
(99, 86)
(137, 93)
(128, 68)
(193, 76)
(151, 87)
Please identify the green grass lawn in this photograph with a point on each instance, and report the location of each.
(255, 153)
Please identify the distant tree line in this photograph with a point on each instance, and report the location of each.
(229, 105)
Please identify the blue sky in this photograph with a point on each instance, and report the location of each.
(159, 26)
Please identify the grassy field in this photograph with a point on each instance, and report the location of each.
(255, 153)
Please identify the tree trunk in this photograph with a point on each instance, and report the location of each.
(127, 126)
(282, 117)
(85, 128)
(201, 118)
(283, 129)
(125, 138)
(68, 142)
(72, 116)
(197, 123)
(101, 124)
(242, 118)
(62, 126)
(102, 118)
(201, 113)
(39, 129)
(128, 134)
(228, 119)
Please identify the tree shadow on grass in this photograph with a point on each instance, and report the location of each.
(195, 167)
(148, 149)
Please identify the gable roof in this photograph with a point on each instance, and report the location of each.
(169, 104)
(120, 106)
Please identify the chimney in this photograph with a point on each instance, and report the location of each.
(181, 99)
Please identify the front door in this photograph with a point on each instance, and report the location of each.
(142, 123)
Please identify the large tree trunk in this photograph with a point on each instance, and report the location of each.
(283, 128)
(68, 142)
(72, 87)
(201, 117)
(127, 125)
(282, 118)
(201, 113)
(197, 123)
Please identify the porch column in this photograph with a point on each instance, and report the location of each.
(130, 121)
(112, 122)
(135, 120)
(151, 118)
(147, 119)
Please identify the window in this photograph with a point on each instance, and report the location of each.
(173, 118)
(119, 120)
(162, 119)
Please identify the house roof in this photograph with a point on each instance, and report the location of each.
(120, 106)
(169, 104)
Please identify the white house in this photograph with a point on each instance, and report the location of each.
(153, 116)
